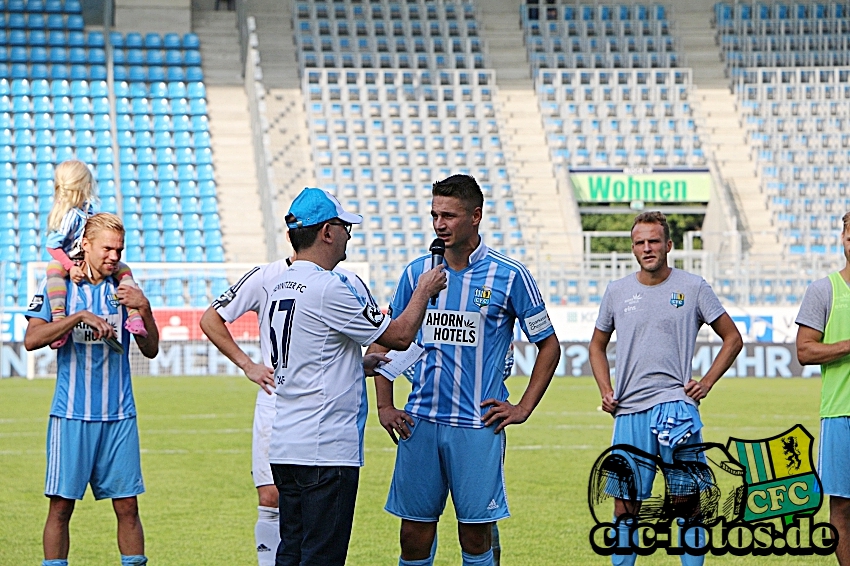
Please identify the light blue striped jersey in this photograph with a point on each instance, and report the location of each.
(466, 335)
(70, 233)
(92, 382)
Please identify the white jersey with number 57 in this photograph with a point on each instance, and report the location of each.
(252, 293)
(317, 323)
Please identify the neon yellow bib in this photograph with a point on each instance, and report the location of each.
(835, 387)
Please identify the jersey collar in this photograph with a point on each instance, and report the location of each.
(480, 252)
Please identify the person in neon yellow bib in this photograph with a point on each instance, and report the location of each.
(823, 337)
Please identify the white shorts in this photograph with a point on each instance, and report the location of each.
(263, 420)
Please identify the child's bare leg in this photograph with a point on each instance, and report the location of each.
(134, 323)
(57, 292)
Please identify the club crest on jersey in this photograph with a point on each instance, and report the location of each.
(374, 315)
(112, 299)
(36, 302)
(227, 297)
(677, 299)
(481, 297)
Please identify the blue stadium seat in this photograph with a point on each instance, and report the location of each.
(162, 139)
(193, 73)
(60, 88)
(62, 105)
(172, 41)
(96, 56)
(162, 124)
(79, 88)
(173, 253)
(76, 39)
(173, 58)
(40, 87)
(182, 140)
(37, 38)
(35, 21)
(105, 156)
(164, 156)
(38, 55)
(42, 105)
(197, 90)
(160, 106)
(153, 57)
(198, 106)
(194, 254)
(26, 188)
(137, 73)
(153, 254)
(191, 41)
(39, 71)
(96, 40)
(79, 72)
(185, 156)
(155, 73)
(212, 222)
(100, 88)
(175, 74)
(146, 172)
(120, 73)
(158, 90)
(56, 38)
(18, 55)
(176, 89)
(75, 23)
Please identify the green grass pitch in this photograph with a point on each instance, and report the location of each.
(200, 504)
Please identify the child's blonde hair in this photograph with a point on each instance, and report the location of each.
(73, 187)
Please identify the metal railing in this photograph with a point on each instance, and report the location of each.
(255, 91)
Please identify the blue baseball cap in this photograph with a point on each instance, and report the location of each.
(314, 206)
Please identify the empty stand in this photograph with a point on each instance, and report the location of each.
(619, 118)
(796, 121)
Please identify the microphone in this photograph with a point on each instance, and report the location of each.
(438, 252)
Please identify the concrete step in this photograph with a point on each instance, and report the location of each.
(236, 179)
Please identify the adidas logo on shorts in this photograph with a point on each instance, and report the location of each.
(492, 506)
(263, 548)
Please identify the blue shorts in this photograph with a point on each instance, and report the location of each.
(103, 454)
(437, 459)
(635, 429)
(834, 457)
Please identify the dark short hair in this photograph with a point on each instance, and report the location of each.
(461, 187)
(653, 217)
(846, 220)
(303, 238)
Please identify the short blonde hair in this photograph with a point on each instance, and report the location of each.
(653, 217)
(73, 187)
(100, 222)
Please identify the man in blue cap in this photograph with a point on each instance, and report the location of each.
(316, 322)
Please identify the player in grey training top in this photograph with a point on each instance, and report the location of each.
(657, 313)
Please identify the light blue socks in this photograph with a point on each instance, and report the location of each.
(485, 559)
(55, 562)
(136, 560)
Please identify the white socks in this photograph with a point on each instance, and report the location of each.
(267, 535)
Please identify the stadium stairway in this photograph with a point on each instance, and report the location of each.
(276, 44)
(726, 140)
(282, 106)
(719, 123)
(548, 212)
(230, 133)
(292, 159)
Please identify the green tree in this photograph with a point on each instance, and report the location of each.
(679, 224)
